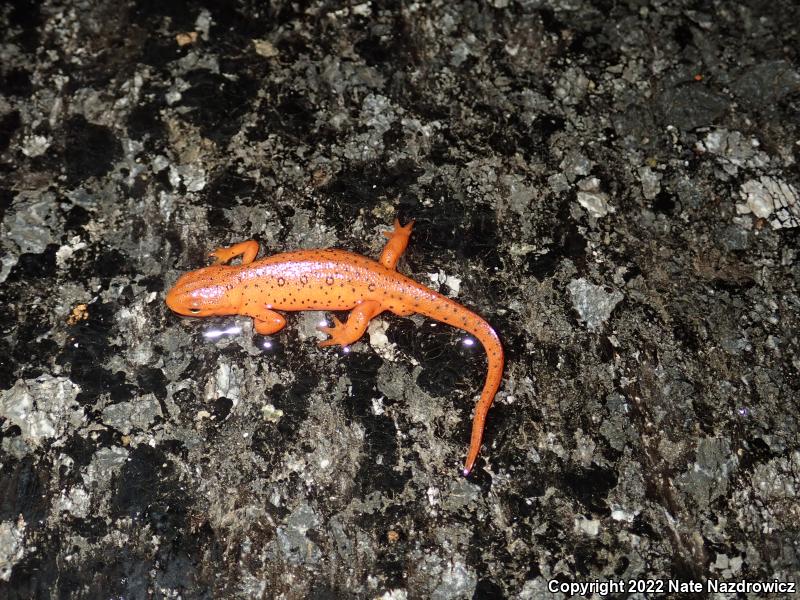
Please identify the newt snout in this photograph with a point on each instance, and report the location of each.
(200, 294)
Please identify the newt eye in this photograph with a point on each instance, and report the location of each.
(194, 311)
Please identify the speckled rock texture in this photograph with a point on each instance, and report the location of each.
(613, 185)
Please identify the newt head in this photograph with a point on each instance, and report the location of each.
(203, 293)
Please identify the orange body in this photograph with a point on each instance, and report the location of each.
(331, 280)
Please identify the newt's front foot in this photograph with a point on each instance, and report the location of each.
(247, 250)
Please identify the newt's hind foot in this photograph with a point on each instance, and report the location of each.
(338, 333)
(400, 229)
(347, 333)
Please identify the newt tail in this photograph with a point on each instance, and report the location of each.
(445, 310)
(334, 280)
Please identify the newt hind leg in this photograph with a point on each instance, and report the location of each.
(394, 248)
(346, 333)
(247, 250)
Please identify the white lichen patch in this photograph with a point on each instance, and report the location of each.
(35, 145)
(453, 283)
(193, 176)
(592, 199)
(379, 114)
(43, 408)
(733, 150)
(224, 383)
(651, 182)
(271, 414)
(11, 548)
(589, 527)
(265, 48)
(575, 164)
(75, 501)
(396, 594)
(772, 199)
(380, 341)
(572, 86)
(592, 302)
(292, 541)
(30, 223)
(454, 579)
(65, 252)
(136, 414)
(106, 462)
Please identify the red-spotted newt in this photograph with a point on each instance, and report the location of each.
(331, 280)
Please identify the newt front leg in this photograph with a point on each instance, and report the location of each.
(247, 250)
(394, 248)
(267, 321)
